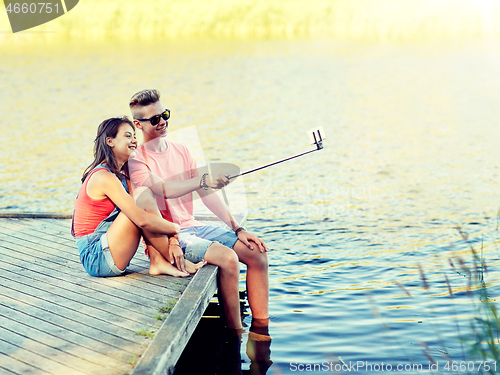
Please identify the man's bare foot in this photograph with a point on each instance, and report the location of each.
(258, 337)
(259, 330)
(192, 267)
(159, 266)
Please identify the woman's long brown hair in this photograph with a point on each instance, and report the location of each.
(102, 152)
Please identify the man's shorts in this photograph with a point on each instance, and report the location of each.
(94, 250)
(196, 240)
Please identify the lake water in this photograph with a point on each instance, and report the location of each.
(412, 151)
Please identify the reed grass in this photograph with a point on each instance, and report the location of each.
(483, 342)
(352, 20)
(482, 337)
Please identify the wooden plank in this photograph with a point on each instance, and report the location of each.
(56, 236)
(162, 354)
(55, 273)
(51, 235)
(105, 332)
(51, 353)
(38, 246)
(34, 215)
(71, 254)
(42, 242)
(138, 284)
(131, 295)
(28, 252)
(52, 334)
(37, 360)
(47, 284)
(78, 333)
(75, 282)
(43, 229)
(4, 370)
(240, 218)
(112, 322)
(15, 366)
(38, 234)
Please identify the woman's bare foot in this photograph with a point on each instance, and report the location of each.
(159, 266)
(192, 267)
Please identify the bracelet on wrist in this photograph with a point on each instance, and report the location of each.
(203, 182)
(239, 229)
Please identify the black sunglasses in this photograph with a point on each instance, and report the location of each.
(155, 120)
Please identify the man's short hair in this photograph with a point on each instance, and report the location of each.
(142, 99)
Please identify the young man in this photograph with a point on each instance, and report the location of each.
(159, 161)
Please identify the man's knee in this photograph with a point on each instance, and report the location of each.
(223, 256)
(229, 256)
(258, 259)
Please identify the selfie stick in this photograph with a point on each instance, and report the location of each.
(316, 136)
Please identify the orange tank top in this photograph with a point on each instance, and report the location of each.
(90, 212)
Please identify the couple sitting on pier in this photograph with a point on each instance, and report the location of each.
(118, 204)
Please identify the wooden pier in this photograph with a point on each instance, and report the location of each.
(56, 319)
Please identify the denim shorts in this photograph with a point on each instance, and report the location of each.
(94, 250)
(196, 240)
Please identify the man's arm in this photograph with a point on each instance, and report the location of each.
(171, 189)
(214, 204)
(218, 208)
(142, 176)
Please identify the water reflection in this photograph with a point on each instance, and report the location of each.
(259, 347)
(218, 350)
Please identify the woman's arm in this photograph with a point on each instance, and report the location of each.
(106, 184)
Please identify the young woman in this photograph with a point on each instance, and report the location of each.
(107, 222)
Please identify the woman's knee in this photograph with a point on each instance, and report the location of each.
(123, 230)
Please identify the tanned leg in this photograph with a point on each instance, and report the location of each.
(123, 239)
(229, 271)
(157, 243)
(257, 278)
